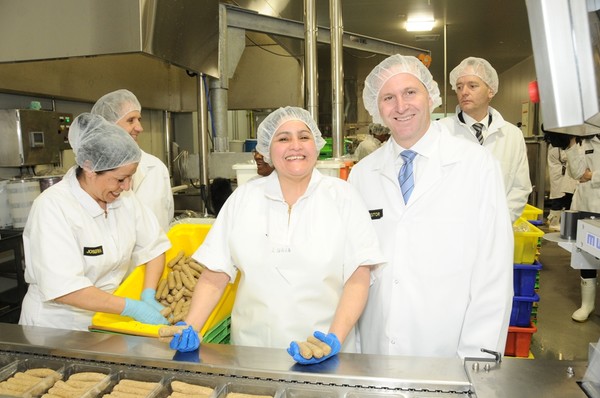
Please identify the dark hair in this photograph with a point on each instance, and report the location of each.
(220, 189)
(79, 171)
(557, 140)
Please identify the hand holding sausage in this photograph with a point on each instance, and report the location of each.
(316, 349)
(185, 340)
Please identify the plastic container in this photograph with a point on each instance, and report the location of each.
(248, 388)
(202, 381)
(525, 277)
(145, 377)
(527, 238)
(521, 310)
(244, 172)
(249, 145)
(24, 365)
(5, 219)
(531, 213)
(21, 194)
(330, 167)
(186, 237)
(92, 390)
(518, 341)
(236, 146)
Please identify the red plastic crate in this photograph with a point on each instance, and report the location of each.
(519, 341)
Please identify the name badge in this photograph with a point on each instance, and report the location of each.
(589, 151)
(376, 214)
(93, 251)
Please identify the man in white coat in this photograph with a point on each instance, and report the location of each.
(476, 82)
(447, 288)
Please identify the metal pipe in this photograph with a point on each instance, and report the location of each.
(310, 59)
(167, 128)
(337, 77)
(219, 101)
(202, 115)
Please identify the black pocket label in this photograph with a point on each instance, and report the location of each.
(376, 214)
(93, 251)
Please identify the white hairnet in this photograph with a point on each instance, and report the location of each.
(378, 129)
(275, 119)
(99, 145)
(113, 106)
(477, 67)
(390, 67)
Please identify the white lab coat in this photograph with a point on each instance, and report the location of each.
(580, 158)
(561, 181)
(507, 144)
(152, 185)
(447, 288)
(293, 262)
(70, 244)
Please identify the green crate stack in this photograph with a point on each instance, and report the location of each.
(220, 333)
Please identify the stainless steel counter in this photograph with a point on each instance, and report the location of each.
(347, 375)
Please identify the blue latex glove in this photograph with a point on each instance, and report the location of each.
(148, 298)
(185, 341)
(329, 339)
(143, 312)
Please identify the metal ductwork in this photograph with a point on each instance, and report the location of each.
(99, 44)
(158, 28)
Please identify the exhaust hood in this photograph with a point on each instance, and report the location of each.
(180, 32)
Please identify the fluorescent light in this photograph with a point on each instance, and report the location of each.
(419, 24)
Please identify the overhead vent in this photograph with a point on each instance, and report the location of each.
(427, 37)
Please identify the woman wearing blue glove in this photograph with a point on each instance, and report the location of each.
(85, 233)
(303, 243)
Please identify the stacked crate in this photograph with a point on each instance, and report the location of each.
(523, 318)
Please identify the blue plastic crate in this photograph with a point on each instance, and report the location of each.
(524, 278)
(521, 310)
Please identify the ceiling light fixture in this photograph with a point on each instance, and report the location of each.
(420, 24)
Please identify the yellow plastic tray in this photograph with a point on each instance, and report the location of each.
(186, 237)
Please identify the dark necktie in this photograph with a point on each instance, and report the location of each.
(405, 176)
(478, 127)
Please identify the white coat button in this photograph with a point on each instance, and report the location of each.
(392, 341)
(396, 281)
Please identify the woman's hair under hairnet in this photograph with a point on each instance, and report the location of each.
(99, 145)
(268, 127)
(393, 66)
(114, 105)
(476, 67)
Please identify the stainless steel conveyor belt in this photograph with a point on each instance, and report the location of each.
(347, 375)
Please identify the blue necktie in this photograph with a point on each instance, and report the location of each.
(405, 177)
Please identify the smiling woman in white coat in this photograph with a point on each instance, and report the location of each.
(303, 243)
(447, 287)
(85, 233)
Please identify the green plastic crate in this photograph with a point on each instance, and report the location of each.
(220, 333)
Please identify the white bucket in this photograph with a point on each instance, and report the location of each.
(5, 220)
(21, 194)
(330, 167)
(244, 172)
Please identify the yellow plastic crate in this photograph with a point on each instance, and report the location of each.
(527, 238)
(186, 237)
(531, 213)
